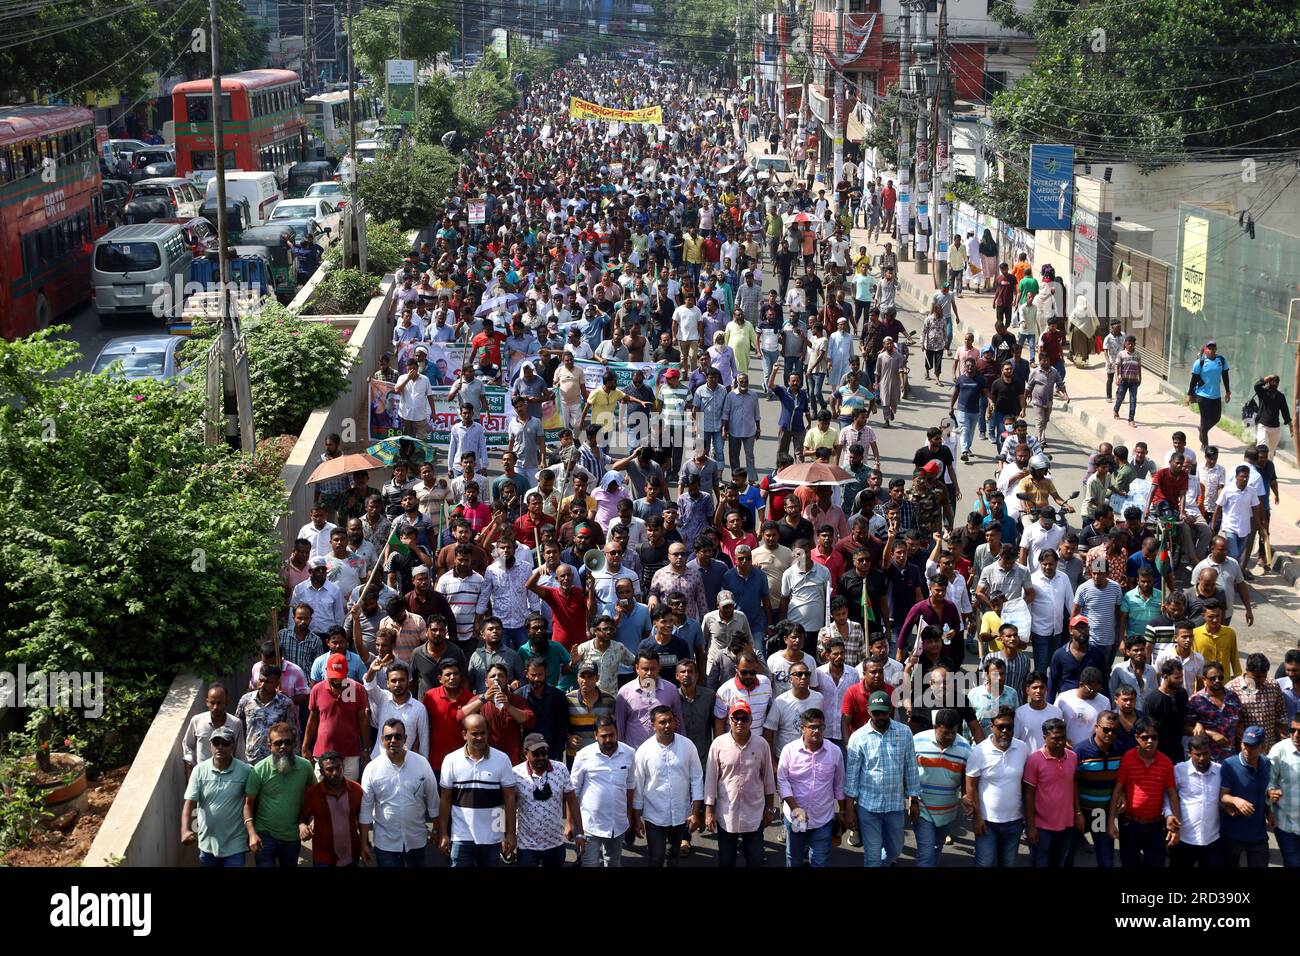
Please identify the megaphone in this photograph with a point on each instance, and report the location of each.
(594, 562)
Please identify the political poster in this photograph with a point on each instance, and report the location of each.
(477, 209)
(384, 421)
(593, 373)
(495, 421)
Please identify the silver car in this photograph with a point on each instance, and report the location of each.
(140, 356)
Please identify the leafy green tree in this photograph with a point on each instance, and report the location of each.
(427, 30)
(294, 366)
(344, 292)
(386, 247)
(68, 49)
(131, 548)
(408, 188)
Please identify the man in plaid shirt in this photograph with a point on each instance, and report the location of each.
(881, 781)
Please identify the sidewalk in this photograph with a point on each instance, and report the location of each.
(1091, 410)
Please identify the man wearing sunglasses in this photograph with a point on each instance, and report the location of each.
(739, 787)
(1145, 789)
(216, 787)
(1098, 763)
(398, 793)
(548, 812)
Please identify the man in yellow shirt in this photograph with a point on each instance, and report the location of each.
(693, 252)
(1215, 641)
(822, 435)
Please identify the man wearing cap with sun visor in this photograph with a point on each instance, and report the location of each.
(1069, 662)
(881, 782)
(216, 787)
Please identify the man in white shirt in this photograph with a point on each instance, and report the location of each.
(668, 794)
(413, 390)
(467, 435)
(1200, 786)
(805, 591)
(1043, 534)
(317, 531)
(398, 794)
(396, 702)
(782, 724)
(1031, 715)
(1180, 649)
(602, 781)
(1237, 509)
(994, 793)
(687, 328)
(1081, 706)
(1053, 597)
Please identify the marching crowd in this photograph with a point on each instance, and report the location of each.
(620, 635)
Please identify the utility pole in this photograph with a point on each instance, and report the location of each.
(904, 123)
(238, 422)
(229, 398)
(740, 43)
(922, 154)
(943, 139)
(309, 46)
(837, 141)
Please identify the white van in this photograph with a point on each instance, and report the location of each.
(260, 189)
(135, 268)
(183, 194)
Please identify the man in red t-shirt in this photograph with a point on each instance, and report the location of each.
(1144, 782)
(1004, 293)
(568, 604)
(447, 704)
(487, 341)
(339, 718)
(853, 709)
(1170, 484)
(508, 715)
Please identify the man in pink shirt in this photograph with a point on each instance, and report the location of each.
(1050, 798)
(810, 781)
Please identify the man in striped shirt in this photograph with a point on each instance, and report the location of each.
(467, 593)
(1095, 773)
(477, 796)
(587, 703)
(941, 769)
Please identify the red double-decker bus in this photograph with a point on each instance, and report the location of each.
(51, 213)
(262, 124)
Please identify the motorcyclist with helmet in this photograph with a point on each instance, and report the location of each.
(1039, 489)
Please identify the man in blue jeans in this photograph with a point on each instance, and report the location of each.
(810, 783)
(217, 788)
(881, 781)
(941, 761)
(1284, 793)
(993, 786)
(273, 800)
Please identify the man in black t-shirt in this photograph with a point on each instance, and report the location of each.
(1006, 397)
(1167, 706)
(793, 526)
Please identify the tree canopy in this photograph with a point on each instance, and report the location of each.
(66, 50)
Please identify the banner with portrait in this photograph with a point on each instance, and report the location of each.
(384, 420)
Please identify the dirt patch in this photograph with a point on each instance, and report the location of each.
(69, 848)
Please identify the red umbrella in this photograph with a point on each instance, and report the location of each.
(344, 465)
(813, 473)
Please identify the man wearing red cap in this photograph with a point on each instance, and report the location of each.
(739, 787)
(930, 500)
(339, 718)
(673, 398)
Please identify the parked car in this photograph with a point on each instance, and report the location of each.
(141, 159)
(337, 193)
(114, 193)
(323, 211)
(140, 356)
(184, 195)
(199, 233)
